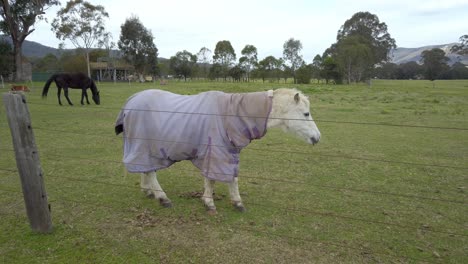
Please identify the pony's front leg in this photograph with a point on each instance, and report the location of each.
(208, 196)
(150, 186)
(235, 195)
(65, 92)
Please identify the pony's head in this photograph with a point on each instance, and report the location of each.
(291, 112)
(95, 92)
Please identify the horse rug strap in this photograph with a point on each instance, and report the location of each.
(209, 129)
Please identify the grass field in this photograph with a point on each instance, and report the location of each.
(387, 183)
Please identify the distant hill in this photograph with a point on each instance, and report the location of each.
(403, 55)
(34, 49)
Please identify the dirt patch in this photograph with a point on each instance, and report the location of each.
(198, 195)
(146, 218)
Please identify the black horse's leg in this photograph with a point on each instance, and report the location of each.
(65, 91)
(84, 94)
(59, 91)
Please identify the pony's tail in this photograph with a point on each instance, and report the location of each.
(46, 86)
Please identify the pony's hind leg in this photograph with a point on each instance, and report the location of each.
(207, 197)
(235, 195)
(150, 186)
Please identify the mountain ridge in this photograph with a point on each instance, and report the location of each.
(403, 55)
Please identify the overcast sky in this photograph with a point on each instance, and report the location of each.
(179, 25)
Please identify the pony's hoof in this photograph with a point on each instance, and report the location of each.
(240, 208)
(166, 203)
(211, 211)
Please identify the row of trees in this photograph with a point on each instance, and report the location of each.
(81, 23)
(362, 49)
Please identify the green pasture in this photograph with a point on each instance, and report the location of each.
(387, 183)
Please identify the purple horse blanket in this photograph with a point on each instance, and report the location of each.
(209, 129)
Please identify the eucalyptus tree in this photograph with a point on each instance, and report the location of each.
(354, 56)
(291, 55)
(461, 48)
(6, 58)
(435, 62)
(249, 59)
(224, 56)
(18, 20)
(82, 24)
(183, 63)
(317, 67)
(203, 58)
(363, 42)
(269, 67)
(136, 43)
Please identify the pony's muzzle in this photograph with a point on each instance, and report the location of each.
(314, 140)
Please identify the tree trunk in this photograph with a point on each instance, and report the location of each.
(87, 64)
(349, 73)
(18, 61)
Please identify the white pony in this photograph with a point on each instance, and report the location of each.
(209, 129)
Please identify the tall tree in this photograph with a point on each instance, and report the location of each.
(461, 48)
(136, 42)
(269, 67)
(18, 21)
(435, 62)
(249, 59)
(83, 24)
(225, 56)
(409, 70)
(373, 33)
(292, 56)
(317, 67)
(183, 63)
(203, 57)
(330, 70)
(304, 74)
(354, 54)
(362, 43)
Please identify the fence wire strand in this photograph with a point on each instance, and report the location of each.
(276, 118)
(277, 151)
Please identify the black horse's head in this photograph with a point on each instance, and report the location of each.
(96, 98)
(95, 92)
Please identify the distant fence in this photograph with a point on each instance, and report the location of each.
(41, 76)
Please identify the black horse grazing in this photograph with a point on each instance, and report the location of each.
(75, 81)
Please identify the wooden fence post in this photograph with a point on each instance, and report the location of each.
(27, 161)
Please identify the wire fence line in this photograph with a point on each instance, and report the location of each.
(256, 177)
(305, 153)
(281, 208)
(276, 118)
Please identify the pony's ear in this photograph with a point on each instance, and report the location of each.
(296, 98)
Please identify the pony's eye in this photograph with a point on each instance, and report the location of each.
(306, 114)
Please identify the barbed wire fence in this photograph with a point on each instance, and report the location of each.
(10, 171)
